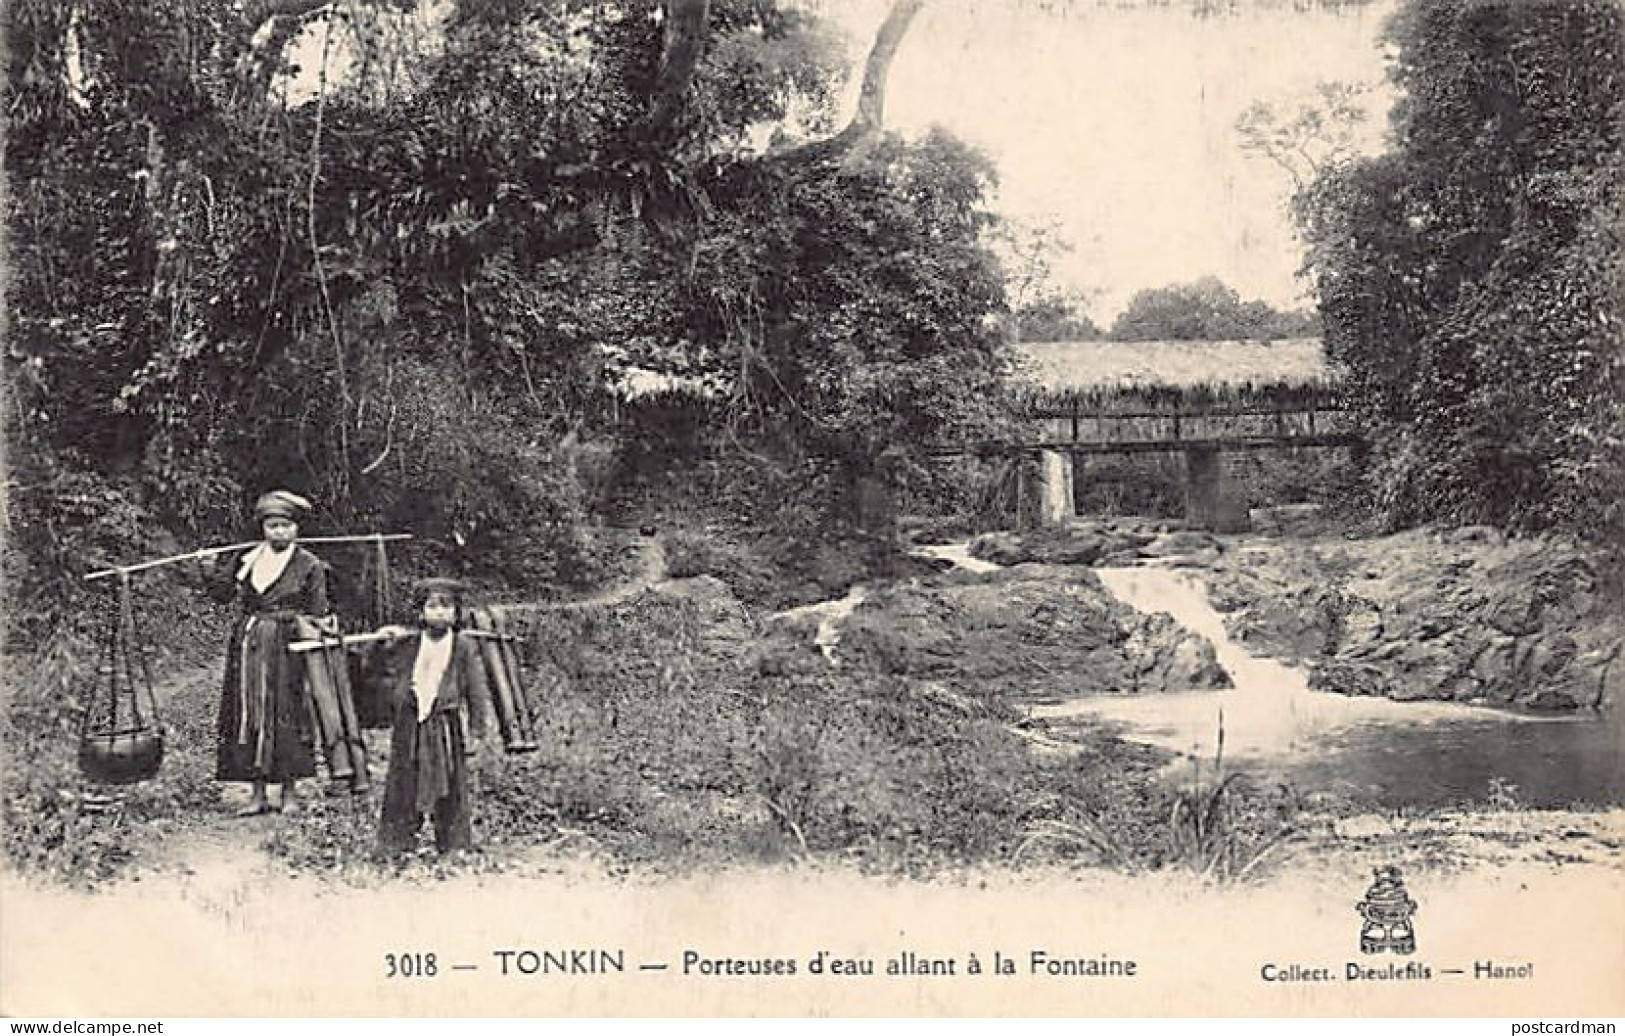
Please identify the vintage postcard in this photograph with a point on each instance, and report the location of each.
(814, 508)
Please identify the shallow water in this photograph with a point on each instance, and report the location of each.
(959, 554)
(830, 615)
(1374, 750)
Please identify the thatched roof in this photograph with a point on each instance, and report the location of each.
(1074, 366)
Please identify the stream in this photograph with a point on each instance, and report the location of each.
(830, 615)
(1375, 751)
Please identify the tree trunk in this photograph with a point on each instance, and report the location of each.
(869, 119)
(871, 113)
(686, 22)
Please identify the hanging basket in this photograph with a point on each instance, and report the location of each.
(121, 740)
(122, 757)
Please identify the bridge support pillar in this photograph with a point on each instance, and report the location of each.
(1203, 486)
(1080, 473)
(1051, 500)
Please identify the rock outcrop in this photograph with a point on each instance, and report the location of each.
(1461, 616)
(1027, 632)
(1081, 543)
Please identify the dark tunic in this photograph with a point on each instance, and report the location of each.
(428, 766)
(265, 719)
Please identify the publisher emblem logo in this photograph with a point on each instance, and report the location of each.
(1387, 910)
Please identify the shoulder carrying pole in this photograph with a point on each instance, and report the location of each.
(197, 555)
(299, 647)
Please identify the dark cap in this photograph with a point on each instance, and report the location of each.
(279, 503)
(453, 588)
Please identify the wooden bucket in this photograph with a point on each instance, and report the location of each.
(327, 675)
(507, 689)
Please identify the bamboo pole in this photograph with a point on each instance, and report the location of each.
(198, 555)
(299, 647)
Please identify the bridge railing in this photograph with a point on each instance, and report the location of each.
(1178, 426)
(1160, 398)
(1147, 414)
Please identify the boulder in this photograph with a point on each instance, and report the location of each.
(1085, 543)
(924, 530)
(1424, 670)
(1295, 624)
(1132, 536)
(1169, 658)
(1027, 633)
(1495, 663)
(1338, 676)
(1291, 520)
(1513, 613)
(1187, 543)
(1474, 534)
(1540, 671)
(1608, 665)
(1001, 548)
(957, 576)
(1533, 593)
(1362, 625)
(1119, 559)
(1078, 549)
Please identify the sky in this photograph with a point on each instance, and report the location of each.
(1116, 123)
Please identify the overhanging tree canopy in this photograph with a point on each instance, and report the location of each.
(217, 287)
(1471, 279)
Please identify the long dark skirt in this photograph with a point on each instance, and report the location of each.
(428, 774)
(265, 723)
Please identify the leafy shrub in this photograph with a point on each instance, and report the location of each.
(1220, 827)
(53, 827)
(1148, 486)
(467, 476)
(1491, 384)
(49, 823)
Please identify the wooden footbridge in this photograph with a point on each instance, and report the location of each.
(1198, 399)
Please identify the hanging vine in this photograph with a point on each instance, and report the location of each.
(342, 425)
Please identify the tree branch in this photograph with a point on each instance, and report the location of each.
(870, 116)
(869, 119)
(262, 12)
(685, 39)
(255, 55)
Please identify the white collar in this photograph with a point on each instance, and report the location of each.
(263, 566)
(428, 669)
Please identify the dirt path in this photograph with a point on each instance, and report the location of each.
(200, 834)
(651, 569)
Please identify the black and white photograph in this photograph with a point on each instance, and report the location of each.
(814, 508)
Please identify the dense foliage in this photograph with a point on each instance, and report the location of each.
(1205, 310)
(1042, 308)
(853, 305)
(408, 278)
(1054, 319)
(1471, 278)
